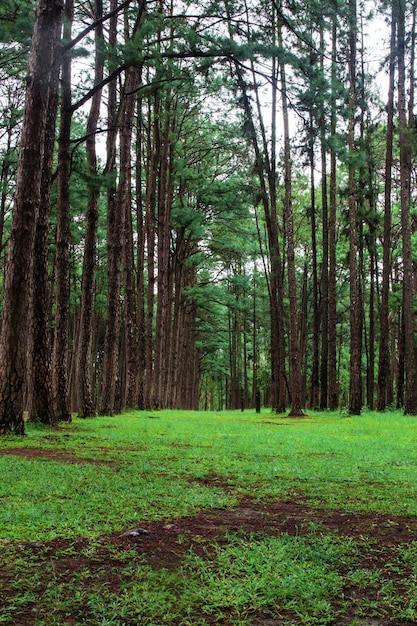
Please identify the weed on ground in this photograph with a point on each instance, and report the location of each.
(196, 518)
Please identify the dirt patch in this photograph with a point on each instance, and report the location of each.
(212, 480)
(164, 544)
(53, 455)
(275, 519)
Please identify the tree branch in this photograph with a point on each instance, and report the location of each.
(92, 26)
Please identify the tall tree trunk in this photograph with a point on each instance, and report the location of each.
(26, 208)
(333, 399)
(265, 167)
(115, 227)
(411, 125)
(367, 209)
(303, 333)
(164, 301)
(355, 385)
(315, 386)
(324, 279)
(256, 399)
(185, 369)
(296, 379)
(410, 398)
(152, 152)
(131, 329)
(60, 376)
(85, 400)
(41, 406)
(384, 364)
(276, 277)
(278, 391)
(400, 378)
(176, 383)
(371, 360)
(140, 266)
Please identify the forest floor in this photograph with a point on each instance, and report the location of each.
(164, 545)
(210, 519)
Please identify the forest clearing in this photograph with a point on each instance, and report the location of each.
(228, 518)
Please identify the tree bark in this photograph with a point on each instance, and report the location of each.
(26, 210)
(60, 383)
(164, 301)
(315, 385)
(296, 379)
(152, 149)
(333, 395)
(355, 385)
(131, 329)
(85, 400)
(410, 396)
(140, 265)
(40, 393)
(324, 279)
(115, 227)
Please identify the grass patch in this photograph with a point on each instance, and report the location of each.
(68, 494)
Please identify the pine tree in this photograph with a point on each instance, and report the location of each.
(27, 201)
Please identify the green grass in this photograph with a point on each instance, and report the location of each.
(170, 464)
(238, 580)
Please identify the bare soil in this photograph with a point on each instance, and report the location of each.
(53, 455)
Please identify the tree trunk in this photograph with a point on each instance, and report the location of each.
(355, 386)
(185, 369)
(275, 278)
(115, 227)
(164, 301)
(26, 209)
(131, 329)
(152, 150)
(140, 265)
(367, 209)
(324, 279)
(333, 396)
(384, 365)
(296, 379)
(303, 331)
(40, 392)
(265, 167)
(60, 384)
(85, 400)
(315, 386)
(410, 396)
